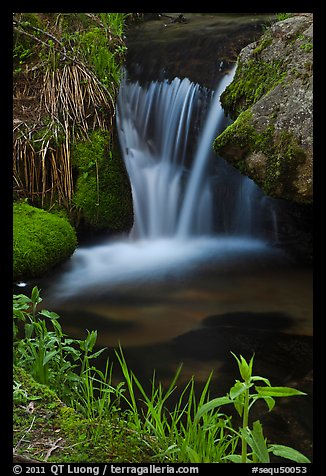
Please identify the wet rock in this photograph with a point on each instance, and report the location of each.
(271, 139)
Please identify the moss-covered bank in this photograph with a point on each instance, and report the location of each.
(41, 240)
(57, 433)
(103, 193)
(67, 71)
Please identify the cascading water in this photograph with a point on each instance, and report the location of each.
(198, 197)
(154, 125)
(181, 212)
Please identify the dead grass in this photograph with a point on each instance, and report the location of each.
(52, 108)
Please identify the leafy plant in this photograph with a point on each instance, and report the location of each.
(50, 356)
(194, 430)
(243, 398)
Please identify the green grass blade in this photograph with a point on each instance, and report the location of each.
(212, 404)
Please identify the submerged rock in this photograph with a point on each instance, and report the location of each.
(270, 100)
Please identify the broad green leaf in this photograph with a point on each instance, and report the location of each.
(21, 298)
(238, 405)
(96, 354)
(49, 356)
(90, 340)
(255, 378)
(18, 314)
(278, 391)
(73, 352)
(35, 295)
(233, 458)
(57, 328)
(29, 328)
(289, 453)
(258, 443)
(215, 403)
(49, 314)
(270, 403)
(237, 389)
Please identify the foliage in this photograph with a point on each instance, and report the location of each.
(241, 396)
(177, 435)
(48, 355)
(103, 194)
(40, 240)
(68, 69)
(97, 48)
(283, 16)
(193, 431)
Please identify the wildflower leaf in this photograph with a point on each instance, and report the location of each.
(237, 389)
(278, 391)
(256, 441)
(289, 453)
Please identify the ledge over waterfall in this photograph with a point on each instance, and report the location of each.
(270, 100)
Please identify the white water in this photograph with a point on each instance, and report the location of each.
(173, 206)
(154, 127)
(198, 196)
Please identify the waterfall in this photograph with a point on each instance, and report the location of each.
(156, 126)
(198, 198)
(190, 206)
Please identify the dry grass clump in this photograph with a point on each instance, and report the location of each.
(58, 99)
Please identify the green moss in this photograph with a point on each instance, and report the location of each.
(39, 412)
(252, 80)
(285, 155)
(33, 390)
(282, 151)
(115, 439)
(265, 41)
(103, 193)
(242, 134)
(40, 241)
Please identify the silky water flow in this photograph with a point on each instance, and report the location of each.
(184, 212)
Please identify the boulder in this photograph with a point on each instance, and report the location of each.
(270, 101)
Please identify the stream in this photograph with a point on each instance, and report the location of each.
(203, 272)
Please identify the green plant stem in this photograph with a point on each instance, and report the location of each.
(244, 426)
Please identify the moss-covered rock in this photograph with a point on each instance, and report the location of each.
(103, 193)
(253, 79)
(41, 240)
(268, 156)
(270, 100)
